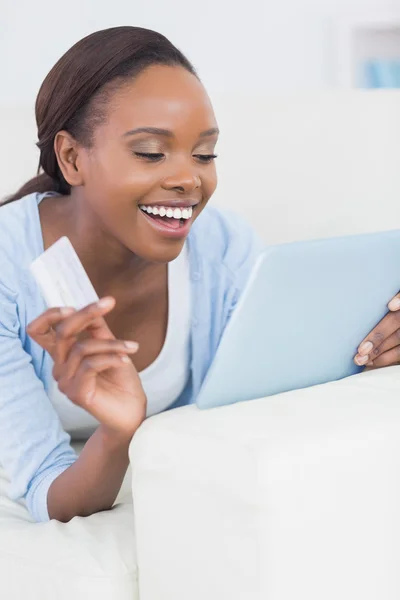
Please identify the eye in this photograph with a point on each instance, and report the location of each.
(205, 158)
(150, 156)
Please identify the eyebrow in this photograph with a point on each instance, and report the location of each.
(166, 132)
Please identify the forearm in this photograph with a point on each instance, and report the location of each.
(92, 483)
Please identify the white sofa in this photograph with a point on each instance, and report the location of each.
(294, 496)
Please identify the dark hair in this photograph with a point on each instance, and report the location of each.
(74, 94)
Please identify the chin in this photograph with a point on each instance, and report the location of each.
(160, 252)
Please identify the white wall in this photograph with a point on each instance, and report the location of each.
(296, 165)
(312, 165)
(253, 45)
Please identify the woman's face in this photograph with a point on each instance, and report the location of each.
(155, 152)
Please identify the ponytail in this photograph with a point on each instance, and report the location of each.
(41, 183)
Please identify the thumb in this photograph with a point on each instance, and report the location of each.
(394, 304)
(98, 327)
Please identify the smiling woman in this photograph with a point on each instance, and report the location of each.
(127, 138)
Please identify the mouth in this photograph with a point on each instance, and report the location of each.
(171, 221)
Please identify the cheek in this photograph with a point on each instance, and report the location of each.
(209, 182)
(119, 173)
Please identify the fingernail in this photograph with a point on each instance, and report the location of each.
(66, 311)
(394, 304)
(105, 302)
(361, 360)
(131, 345)
(125, 359)
(366, 348)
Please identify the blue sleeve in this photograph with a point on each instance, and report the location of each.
(34, 449)
(243, 249)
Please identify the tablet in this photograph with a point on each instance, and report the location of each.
(306, 308)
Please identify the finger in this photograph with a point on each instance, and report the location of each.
(82, 388)
(68, 331)
(90, 347)
(80, 320)
(391, 357)
(389, 324)
(361, 360)
(42, 329)
(391, 342)
(394, 304)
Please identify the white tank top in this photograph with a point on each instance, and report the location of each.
(163, 380)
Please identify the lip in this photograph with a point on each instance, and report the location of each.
(166, 231)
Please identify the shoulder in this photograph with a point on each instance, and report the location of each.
(223, 238)
(19, 238)
(18, 218)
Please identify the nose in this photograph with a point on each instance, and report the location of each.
(184, 180)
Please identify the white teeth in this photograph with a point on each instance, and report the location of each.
(187, 213)
(172, 213)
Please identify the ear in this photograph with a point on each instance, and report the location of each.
(67, 152)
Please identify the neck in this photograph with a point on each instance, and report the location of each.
(111, 267)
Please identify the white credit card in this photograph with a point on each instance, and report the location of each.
(61, 277)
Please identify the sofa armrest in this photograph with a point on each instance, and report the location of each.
(289, 497)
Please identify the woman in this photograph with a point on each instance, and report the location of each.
(127, 138)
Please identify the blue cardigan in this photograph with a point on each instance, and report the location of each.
(34, 448)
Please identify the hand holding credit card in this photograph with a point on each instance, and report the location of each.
(94, 372)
